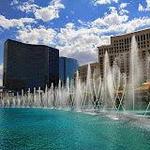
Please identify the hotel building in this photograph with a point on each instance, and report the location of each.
(120, 47)
(28, 66)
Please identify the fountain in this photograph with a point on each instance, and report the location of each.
(113, 92)
(78, 95)
(135, 76)
(108, 84)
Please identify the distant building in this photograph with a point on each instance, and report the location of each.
(67, 68)
(120, 47)
(28, 66)
(95, 70)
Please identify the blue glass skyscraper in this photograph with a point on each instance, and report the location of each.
(67, 68)
(28, 66)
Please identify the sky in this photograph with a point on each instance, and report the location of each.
(75, 27)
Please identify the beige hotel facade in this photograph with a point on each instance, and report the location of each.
(120, 47)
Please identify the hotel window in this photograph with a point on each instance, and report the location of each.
(147, 36)
(148, 44)
(144, 44)
(144, 37)
(141, 37)
(138, 38)
(127, 40)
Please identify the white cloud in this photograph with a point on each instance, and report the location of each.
(50, 12)
(111, 19)
(142, 8)
(118, 22)
(80, 42)
(28, 6)
(102, 2)
(136, 24)
(1, 74)
(9, 23)
(123, 5)
(14, 2)
(39, 35)
(47, 13)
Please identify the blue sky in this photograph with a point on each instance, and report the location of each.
(75, 27)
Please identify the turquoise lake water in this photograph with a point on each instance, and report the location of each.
(43, 129)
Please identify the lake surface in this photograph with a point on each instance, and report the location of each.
(44, 129)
